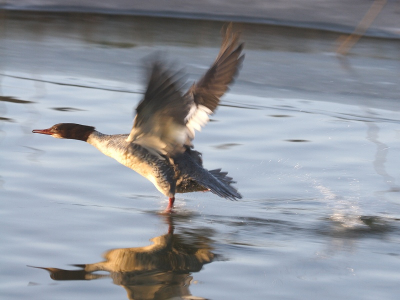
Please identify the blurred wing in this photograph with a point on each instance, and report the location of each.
(206, 93)
(159, 124)
(166, 120)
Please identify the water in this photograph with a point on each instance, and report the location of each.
(313, 146)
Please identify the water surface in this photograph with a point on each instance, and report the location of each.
(312, 142)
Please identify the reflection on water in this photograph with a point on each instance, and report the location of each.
(159, 271)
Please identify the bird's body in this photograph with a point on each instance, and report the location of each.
(165, 174)
(159, 145)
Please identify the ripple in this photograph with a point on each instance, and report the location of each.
(298, 141)
(14, 100)
(226, 146)
(67, 109)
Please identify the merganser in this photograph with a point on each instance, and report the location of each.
(159, 145)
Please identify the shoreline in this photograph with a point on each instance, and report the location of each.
(163, 11)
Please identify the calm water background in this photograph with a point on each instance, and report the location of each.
(313, 142)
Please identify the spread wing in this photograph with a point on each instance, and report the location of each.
(159, 124)
(166, 119)
(206, 93)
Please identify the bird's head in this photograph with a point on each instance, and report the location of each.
(67, 131)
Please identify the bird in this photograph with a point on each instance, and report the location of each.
(159, 145)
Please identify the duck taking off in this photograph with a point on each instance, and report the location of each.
(159, 145)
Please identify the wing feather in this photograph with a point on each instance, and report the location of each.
(206, 93)
(166, 118)
(159, 123)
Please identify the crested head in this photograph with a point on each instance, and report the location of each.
(67, 131)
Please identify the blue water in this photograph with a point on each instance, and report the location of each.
(314, 149)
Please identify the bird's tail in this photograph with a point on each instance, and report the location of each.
(224, 185)
(216, 181)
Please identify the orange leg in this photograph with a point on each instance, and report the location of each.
(170, 204)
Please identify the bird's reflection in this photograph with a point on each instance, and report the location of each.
(159, 271)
